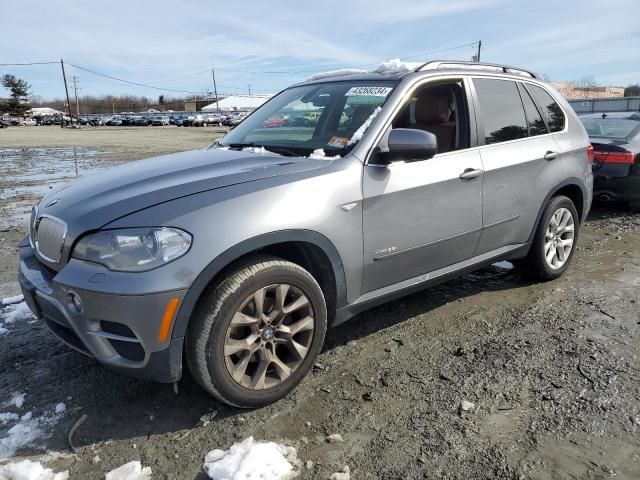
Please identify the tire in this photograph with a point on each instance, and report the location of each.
(211, 332)
(535, 264)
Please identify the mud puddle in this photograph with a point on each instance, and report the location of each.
(26, 174)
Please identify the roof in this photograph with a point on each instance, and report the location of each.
(237, 102)
(396, 69)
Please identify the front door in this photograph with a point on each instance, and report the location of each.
(424, 215)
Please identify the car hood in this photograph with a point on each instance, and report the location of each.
(91, 202)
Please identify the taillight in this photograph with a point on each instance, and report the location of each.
(614, 157)
(590, 154)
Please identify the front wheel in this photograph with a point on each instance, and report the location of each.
(257, 333)
(554, 241)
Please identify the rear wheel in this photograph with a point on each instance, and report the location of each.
(257, 333)
(555, 240)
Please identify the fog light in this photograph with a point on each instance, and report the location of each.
(76, 302)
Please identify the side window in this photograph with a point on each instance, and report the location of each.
(440, 109)
(501, 110)
(550, 109)
(535, 123)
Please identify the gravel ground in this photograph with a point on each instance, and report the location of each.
(487, 376)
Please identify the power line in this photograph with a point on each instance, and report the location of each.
(181, 76)
(26, 64)
(288, 72)
(279, 72)
(133, 83)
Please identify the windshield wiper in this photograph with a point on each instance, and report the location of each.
(239, 146)
(281, 150)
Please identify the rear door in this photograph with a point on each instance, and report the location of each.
(520, 157)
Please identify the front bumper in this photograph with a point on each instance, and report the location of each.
(120, 331)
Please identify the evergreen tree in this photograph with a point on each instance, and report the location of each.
(18, 103)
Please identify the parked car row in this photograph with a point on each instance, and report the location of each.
(179, 120)
(137, 120)
(17, 122)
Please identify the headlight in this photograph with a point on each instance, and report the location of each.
(133, 249)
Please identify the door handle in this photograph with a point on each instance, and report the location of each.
(550, 155)
(471, 173)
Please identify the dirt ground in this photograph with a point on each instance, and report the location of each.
(553, 370)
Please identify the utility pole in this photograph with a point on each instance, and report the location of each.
(479, 47)
(66, 90)
(75, 90)
(249, 88)
(215, 89)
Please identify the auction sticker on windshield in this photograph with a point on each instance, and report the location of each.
(339, 142)
(368, 91)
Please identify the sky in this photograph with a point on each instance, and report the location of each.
(269, 45)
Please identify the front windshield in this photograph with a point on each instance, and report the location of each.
(609, 127)
(320, 117)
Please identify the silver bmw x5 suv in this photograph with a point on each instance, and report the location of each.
(338, 194)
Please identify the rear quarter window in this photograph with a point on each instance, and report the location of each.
(550, 109)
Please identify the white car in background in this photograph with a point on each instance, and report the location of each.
(214, 119)
(159, 120)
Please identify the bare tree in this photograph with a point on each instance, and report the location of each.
(632, 90)
(587, 85)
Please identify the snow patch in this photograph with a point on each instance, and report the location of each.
(3, 330)
(389, 67)
(12, 300)
(17, 312)
(251, 460)
(345, 474)
(17, 399)
(130, 471)
(504, 265)
(363, 128)
(28, 470)
(260, 150)
(319, 154)
(396, 65)
(335, 73)
(22, 433)
(26, 428)
(6, 417)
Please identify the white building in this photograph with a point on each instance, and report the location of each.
(237, 103)
(45, 111)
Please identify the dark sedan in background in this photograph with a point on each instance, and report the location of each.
(616, 155)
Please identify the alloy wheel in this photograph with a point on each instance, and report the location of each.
(269, 336)
(559, 237)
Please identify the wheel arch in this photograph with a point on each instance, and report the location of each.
(307, 248)
(573, 188)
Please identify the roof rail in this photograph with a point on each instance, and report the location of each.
(441, 64)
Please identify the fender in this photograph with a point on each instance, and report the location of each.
(247, 246)
(573, 181)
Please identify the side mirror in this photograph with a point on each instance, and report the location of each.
(409, 145)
